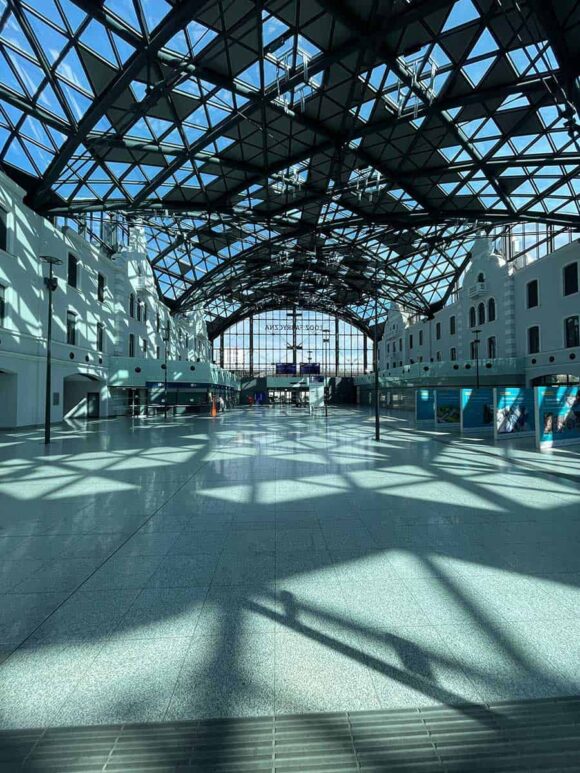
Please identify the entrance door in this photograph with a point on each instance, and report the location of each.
(93, 405)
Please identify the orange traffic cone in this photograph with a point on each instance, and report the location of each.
(213, 408)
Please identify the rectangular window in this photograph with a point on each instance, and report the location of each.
(533, 339)
(411, 341)
(139, 310)
(3, 230)
(491, 348)
(532, 293)
(2, 305)
(157, 322)
(131, 345)
(438, 330)
(71, 328)
(452, 325)
(72, 276)
(144, 347)
(158, 352)
(100, 288)
(571, 279)
(144, 312)
(388, 348)
(473, 350)
(100, 337)
(572, 331)
(131, 305)
(453, 354)
(400, 344)
(438, 356)
(420, 338)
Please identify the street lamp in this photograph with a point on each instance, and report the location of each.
(166, 341)
(376, 359)
(476, 342)
(51, 283)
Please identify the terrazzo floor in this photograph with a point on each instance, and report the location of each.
(268, 562)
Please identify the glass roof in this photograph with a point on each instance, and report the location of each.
(295, 151)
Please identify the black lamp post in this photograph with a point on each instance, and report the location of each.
(51, 283)
(476, 342)
(166, 340)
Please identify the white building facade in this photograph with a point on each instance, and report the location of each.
(110, 333)
(509, 324)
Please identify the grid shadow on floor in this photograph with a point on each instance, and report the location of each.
(515, 736)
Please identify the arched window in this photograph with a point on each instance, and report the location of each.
(481, 314)
(481, 277)
(472, 316)
(491, 310)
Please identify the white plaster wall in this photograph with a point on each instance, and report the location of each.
(23, 336)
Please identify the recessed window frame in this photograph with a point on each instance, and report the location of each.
(573, 264)
(576, 337)
(531, 283)
(530, 348)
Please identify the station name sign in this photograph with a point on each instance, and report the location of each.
(284, 327)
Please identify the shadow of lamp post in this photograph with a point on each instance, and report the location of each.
(166, 341)
(51, 283)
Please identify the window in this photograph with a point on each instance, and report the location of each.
(571, 279)
(473, 347)
(410, 340)
(491, 348)
(481, 277)
(139, 310)
(400, 344)
(100, 337)
(420, 338)
(3, 230)
(533, 339)
(131, 305)
(491, 310)
(438, 330)
(532, 295)
(452, 325)
(144, 312)
(2, 305)
(158, 352)
(453, 354)
(131, 345)
(72, 276)
(157, 322)
(472, 317)
(481, 314)
(438, 356)
(144, 347)
(71, 328)
(388, 348)
(100, 288)
(572, 331)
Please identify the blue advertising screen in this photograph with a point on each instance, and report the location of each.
(285, 368)
(312, 368)
(448, 411)
(477, 408)
(559, 415)
(515, 411)
(425, 405)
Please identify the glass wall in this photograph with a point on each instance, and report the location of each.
(294, 338)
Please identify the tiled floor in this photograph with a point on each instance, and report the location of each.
(268, 562)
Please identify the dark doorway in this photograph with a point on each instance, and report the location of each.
(93, 405)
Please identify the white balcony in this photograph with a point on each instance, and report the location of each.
(145, 284)
(479, 288)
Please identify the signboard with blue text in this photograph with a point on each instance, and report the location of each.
(514, 412)
(447, 407)
(477, 410)
(425, 405)
(557, 416)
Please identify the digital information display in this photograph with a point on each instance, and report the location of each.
(285, 369)
(309, 368)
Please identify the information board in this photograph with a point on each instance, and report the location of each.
(309, 368)
(316, 396)
(477, 410)
(447, 407)
(425, 405)
(285, 368)
(557, 416)
(514, 412)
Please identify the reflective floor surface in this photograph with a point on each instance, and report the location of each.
(266, 562)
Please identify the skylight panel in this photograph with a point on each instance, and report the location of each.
(485, 45)
(462, 12)
(154, 12)
(513, 101)
(51, 41)
(73, 72)
(272, 28)
(95, 37)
